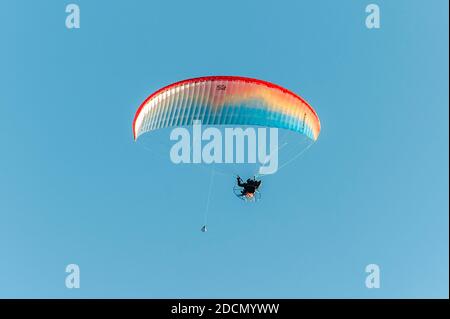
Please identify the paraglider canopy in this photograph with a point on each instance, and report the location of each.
(226, 100)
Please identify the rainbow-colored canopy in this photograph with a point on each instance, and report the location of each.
(226, 100)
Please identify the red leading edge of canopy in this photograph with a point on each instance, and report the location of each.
(214, 78)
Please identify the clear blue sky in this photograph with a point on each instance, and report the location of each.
(75, 188)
